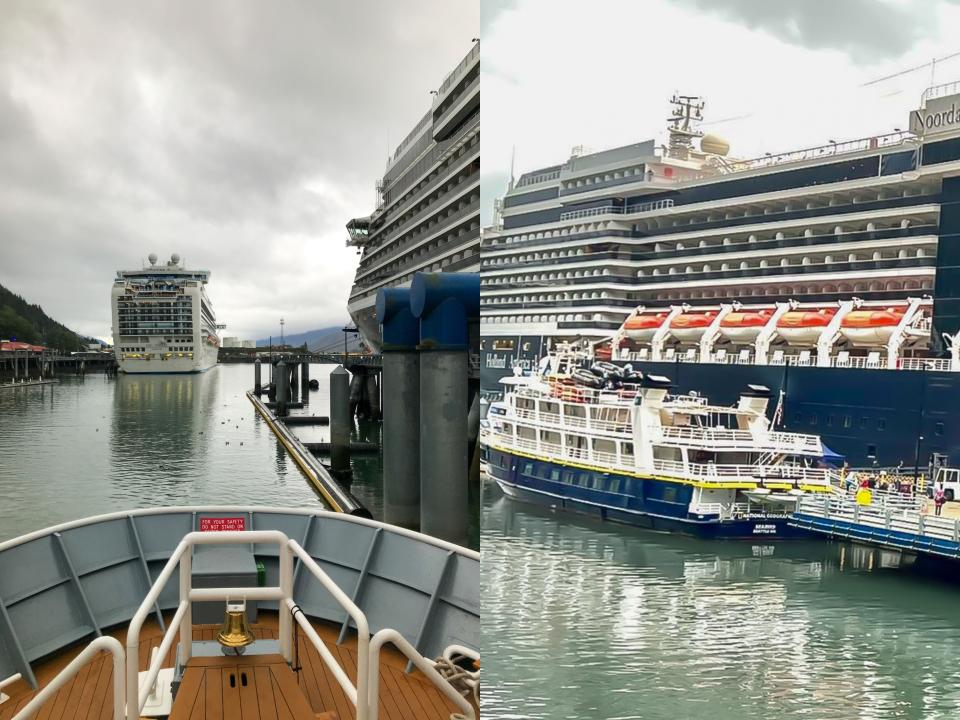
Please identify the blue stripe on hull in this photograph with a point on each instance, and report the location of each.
(644, 509)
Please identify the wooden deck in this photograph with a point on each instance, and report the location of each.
(89, 696)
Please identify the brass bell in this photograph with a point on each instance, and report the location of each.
(235, 634)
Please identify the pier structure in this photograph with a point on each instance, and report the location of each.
(890, 520)
(425, 331)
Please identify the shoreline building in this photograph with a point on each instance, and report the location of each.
(427, 217)
(829, 273)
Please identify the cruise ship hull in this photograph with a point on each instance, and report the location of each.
(648, 510)
(874, 418)
(159, 365)
(364, 316)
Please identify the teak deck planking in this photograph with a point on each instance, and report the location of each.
(89, 696)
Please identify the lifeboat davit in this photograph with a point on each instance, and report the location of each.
(743, 326)
(642, 327)
(866, 328)
(688, 327)
(804, 327)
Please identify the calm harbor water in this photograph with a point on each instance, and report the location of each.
(586, 620)
(95, 444)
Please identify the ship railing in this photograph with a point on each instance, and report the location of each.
(730, 511)
(882, 515)
(361, 695)
(739, 439)
(617, 209)
(937, 364)
(105, 643)
(573, 422)
(701, 472)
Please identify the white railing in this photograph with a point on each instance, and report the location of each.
(6, 683)
(548, 419)
(728, 511)
(701, 472)
(938, 364)
(105, 643)
(617, 210)
(738, 439)
(422, 664)
(881, 513)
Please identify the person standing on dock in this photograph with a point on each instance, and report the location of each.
(939, 497)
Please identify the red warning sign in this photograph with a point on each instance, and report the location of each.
(208, 524)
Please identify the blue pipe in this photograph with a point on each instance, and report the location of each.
(445, 303)
(400, 330)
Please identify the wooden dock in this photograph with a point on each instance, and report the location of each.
(27, 383)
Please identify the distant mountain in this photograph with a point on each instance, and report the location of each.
(324, 339)
(29, 323)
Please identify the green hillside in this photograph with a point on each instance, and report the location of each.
(29, 323)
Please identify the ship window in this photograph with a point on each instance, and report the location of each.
(829, 422)
(568, 477)
(881, 424)
(813, 419)
(528, 469)
(871, 451)
(938, 428)
(669, 494)
(847, 421)
(555, 475)
(583, 479)
(863, 423)
(798, 417)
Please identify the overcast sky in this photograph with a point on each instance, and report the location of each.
(560, 73)
(240, 134)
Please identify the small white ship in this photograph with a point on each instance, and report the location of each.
(163, 321)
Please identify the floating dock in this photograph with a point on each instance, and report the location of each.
(337, 497)
(890, 520)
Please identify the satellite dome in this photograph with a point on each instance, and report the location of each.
(175, 258)
(714, 145)
(152, 257)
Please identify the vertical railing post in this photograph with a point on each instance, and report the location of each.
(186, 625)
(286, 587)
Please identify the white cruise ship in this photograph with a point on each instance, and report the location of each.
(830, 275)
(427, 217)
(163, 321)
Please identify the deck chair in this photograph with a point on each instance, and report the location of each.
(690, 355)
(721, 355)
(744, 357)
(843, 359)
(777, 357)
(643, 353)
(804, 357)
(671, 353)
(873, 360)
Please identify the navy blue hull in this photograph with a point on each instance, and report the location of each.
(645, 503)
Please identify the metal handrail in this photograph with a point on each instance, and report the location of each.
(105, 643)
(423, 665)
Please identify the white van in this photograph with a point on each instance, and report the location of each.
(950, 477)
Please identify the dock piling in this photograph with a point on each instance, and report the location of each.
(340, 421)
(257, 386)
(282, 382)
(400, 382)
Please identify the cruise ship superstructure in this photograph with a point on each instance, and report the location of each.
(427, 217)
(830, 273)
(163, 321)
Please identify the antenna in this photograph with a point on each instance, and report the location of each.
(683, 124)
(513, 155)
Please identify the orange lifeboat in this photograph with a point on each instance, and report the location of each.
(688, 327)
(865, 328)
(803, 327)
(744, 326)
(642, 327)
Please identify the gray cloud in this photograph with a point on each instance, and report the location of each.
(242, 135)
(866, 30)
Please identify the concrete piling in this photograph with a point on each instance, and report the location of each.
(281, 383)
(373, 396)
(401, 408)
(257, 386)
(340, 421)
(304, 380)
(443, 303)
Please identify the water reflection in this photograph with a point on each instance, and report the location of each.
(582, 619)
